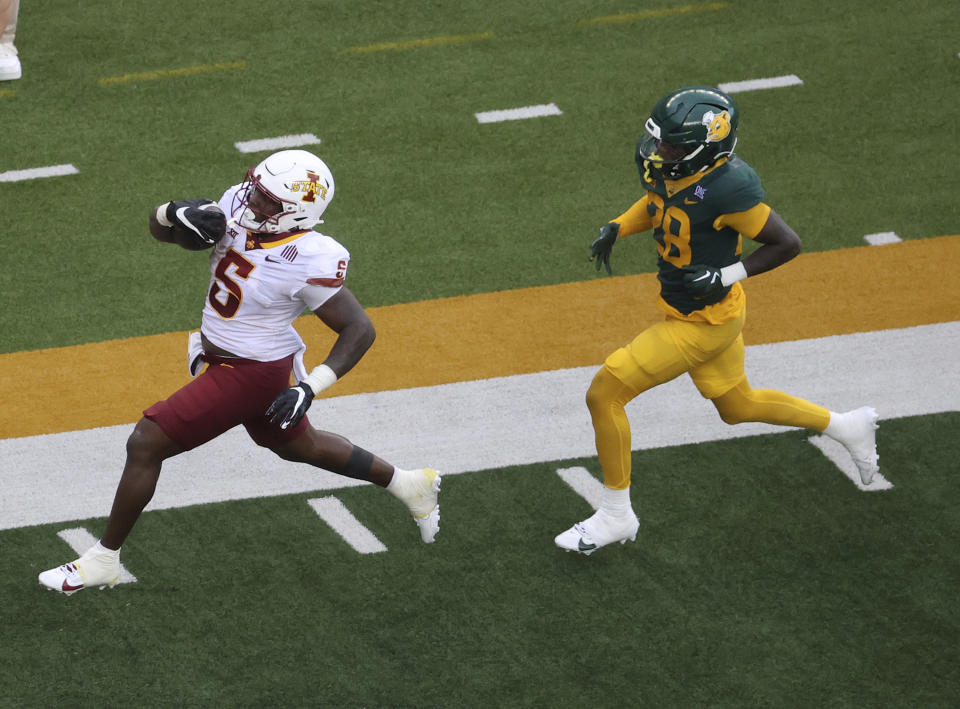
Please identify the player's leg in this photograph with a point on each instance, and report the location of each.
(9, 61)
(655, 356)
(418, 489)
(147, 447)
(652, 358)
(335, 453)
(740, 403)
(196, 413)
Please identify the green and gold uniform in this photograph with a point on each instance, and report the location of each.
(697, 220)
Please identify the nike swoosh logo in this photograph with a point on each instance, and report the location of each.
(273, 260)
(687, 200)
(585, 547)
(67, 587)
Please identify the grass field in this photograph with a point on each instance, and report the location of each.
(761, 577)
(756, 584)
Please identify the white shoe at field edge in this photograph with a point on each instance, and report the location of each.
(94, 568)
(422, 497)
(9, 63)
(861, 441)
(598, 531)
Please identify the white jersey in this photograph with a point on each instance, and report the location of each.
(259, 286)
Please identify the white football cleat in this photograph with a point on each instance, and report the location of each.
(419, 490)
(857, 431)
(598, 531)
(94, 568)
(9, 62)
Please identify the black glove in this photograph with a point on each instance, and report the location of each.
(602, 246)
(701, 281)
(291, 406)
(200, 216)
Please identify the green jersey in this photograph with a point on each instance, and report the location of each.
(684, 214)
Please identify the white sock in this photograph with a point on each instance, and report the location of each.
(616, 502)
(396, 486)
(837, 429)
(100, 549)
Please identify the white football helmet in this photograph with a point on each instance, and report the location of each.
(288, 191)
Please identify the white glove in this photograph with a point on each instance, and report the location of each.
(194, 354)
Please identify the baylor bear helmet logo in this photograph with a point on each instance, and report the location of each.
(718, 125)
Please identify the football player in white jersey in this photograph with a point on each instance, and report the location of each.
(267, 264)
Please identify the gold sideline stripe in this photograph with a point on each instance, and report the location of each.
(499, 334)
(166, 73)
(417, 43)
(653, 14)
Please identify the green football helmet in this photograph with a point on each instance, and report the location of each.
(699, 121)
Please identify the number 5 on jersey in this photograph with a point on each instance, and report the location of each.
(226, 300)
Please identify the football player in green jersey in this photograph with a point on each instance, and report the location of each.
(700, 199)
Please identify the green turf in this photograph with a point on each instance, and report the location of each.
(430, 202)
(762, 577)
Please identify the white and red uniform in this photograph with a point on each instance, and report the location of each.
(259, 286)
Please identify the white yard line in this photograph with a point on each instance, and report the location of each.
(341, 520)
(517, 114)
(38, 173)
(881, 238)
(775, 82)
(282, 142)
(481, 425)
(583, 483)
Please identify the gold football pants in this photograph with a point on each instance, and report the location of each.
(713, 356)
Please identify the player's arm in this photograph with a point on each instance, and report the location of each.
(343, 314)
(194, 224)
(633, 221)
(779, 243)
(636, 219)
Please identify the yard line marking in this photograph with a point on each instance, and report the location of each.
(881, 238)
(166, 73)
(838, 455)
(775, 82)
(889, 369)
(417, 43)
(278, 143)
(38, 172)
(332, 511)
(583, 483)
(652, 14)
(517, 114)
(80, 540)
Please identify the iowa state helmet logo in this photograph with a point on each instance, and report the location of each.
(718, 125)
(310, 187)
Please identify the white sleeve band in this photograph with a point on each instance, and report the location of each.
(732, 273)
(162, 215)
(320, 378)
